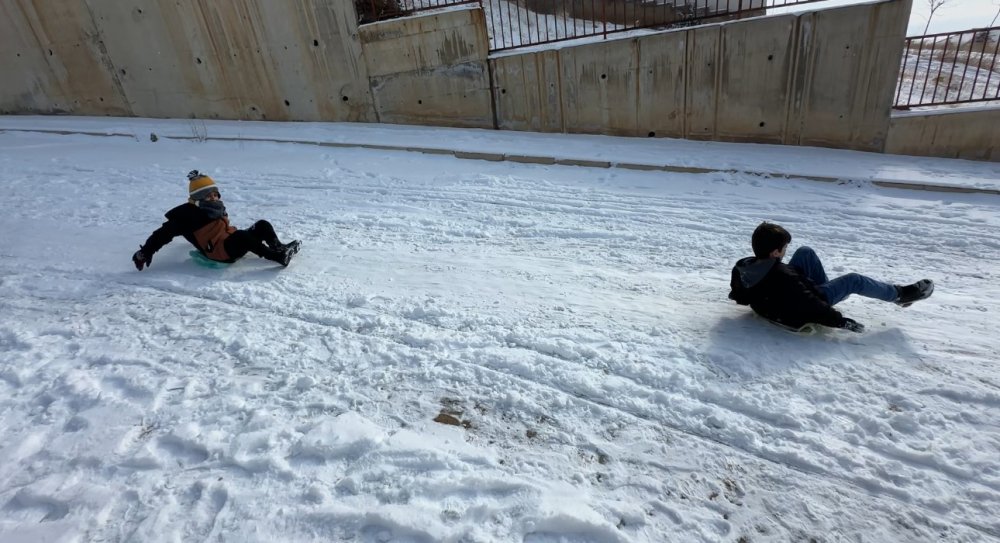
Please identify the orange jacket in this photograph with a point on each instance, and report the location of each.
(208, 235)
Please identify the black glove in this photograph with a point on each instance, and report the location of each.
(141, 259)
(852, 325)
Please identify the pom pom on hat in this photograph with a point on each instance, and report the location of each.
(200, 185)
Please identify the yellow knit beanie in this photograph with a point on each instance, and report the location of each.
(200, 185)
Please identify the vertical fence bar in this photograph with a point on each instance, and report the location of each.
(604, 16)
(510, 27)
(993, 63)
(565, 22)
(902, 72)
(979, 65)
(493, 26)
(930, 59)
(913, 84)
(954, 64)
(965, 69)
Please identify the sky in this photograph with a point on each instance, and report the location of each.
(479, 350)
(954, 15)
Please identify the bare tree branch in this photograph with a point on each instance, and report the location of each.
(934, 5)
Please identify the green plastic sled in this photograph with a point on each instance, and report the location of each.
(206, 262)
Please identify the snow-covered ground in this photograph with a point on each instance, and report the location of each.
(484, 351)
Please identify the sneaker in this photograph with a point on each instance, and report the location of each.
(914, 293)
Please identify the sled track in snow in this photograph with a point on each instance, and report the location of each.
(852, 485)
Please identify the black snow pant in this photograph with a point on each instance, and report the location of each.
(259, 239)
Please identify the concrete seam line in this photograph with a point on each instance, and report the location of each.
(71, 132)
(932, 187)
(533, 159)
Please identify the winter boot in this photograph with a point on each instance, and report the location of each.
(913, 293)
(291, 247)
(284, 255)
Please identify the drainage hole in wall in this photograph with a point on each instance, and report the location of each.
(122, 71)
(762, 124)
(604, 76)
(770, 57)
(254, 108)
(344, 98)
(420, 102)
(503, 91)
(101, 98)
(198, 60)
(50, 52)
(315, 43)
(652, 134)
(287, 103)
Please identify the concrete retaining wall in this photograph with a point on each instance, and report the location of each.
(817, 78)
(969, 133)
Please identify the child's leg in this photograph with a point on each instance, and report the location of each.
(809, 265)
(263, 231)
(240, 242)
(853, 283)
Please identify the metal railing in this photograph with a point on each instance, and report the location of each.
(950, 68)
(379, 10)
(521, 23)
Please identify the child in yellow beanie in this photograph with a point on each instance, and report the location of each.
(203, 221)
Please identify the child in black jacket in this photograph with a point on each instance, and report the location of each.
(799, 292)
(203, 221)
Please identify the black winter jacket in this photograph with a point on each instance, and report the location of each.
(778, 292)
(205, 233)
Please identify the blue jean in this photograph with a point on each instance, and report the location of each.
(837, 290)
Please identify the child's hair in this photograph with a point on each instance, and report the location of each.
(768, 237)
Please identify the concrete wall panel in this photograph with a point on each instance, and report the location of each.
(529, 99)
(702, 84)
(430, 69)
(600, 88)
(456, 96)
(757, 60)
(661, 84)
(850, 72)
(53, 60)
(970, 134)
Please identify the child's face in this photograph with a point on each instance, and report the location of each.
(213, 197)
(779, 253)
